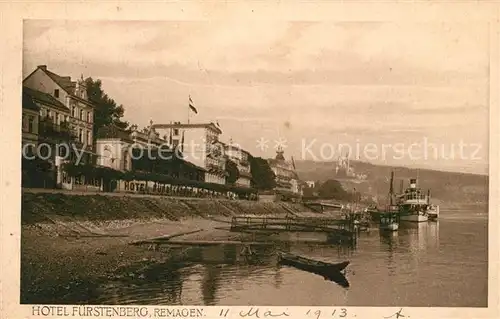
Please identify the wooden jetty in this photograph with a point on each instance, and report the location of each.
(321, 206)
(336, 229)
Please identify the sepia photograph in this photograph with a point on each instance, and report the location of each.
(281, 163)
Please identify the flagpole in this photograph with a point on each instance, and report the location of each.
(189, 109)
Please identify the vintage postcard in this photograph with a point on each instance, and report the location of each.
(250, 160)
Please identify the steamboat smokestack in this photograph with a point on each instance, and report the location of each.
(413, 183)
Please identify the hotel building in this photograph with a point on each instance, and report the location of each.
(287, 180)
(200, 145)
(241, 158)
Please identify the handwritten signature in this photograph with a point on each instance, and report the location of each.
(397, 314)
(256, 313)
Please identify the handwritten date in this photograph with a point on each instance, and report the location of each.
(336, 313)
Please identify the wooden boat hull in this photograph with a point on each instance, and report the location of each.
(332, 272)
(310, 264)
(389, 227)
(414, 218)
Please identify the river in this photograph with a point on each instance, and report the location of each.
(442, 263)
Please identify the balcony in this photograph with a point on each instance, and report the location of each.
(56, 132)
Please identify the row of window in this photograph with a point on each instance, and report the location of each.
(55, 117)
(82, 114)
(84, 136)
(29, 124)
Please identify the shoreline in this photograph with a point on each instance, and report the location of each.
(57, 268)
(71, 243)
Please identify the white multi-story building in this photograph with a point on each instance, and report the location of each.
(200, 145)
(241, 158)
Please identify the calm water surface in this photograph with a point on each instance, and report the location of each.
(441, 263)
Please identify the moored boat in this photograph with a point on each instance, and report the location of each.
(311, 265)
(389, 220)
(433, 212)
(413, 204)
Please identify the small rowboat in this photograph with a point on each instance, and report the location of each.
(310, 264)
(332, 272)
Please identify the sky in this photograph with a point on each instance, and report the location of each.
(413, 95)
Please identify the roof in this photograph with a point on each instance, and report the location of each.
(63, 81)
(43, 98)
(235, 147)
(279, 155)
(113, 131)
(28, 102)
(187, 126)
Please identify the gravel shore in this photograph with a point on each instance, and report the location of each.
(57, 268)
(71, 244)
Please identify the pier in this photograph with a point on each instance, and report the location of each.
(336, 229)
(321, 206)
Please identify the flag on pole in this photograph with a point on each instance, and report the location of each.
(182, 142)
(191, 105)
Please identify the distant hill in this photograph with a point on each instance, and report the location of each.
(450, 189)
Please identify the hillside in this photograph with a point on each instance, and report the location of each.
(448, 188)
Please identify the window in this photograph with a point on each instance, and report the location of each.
(31, 124)
(89, 117)
(75, 111)
(56, 119)
(25, 124)
(56, 93)
(80, 135)
(81, 114)
(176, 131)
(89, 139)
(125, 161)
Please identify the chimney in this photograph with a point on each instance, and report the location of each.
(413, 183)
(43, 67)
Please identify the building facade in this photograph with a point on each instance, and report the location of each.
(144, 151)
(64, 105)
(30, 122)
(241, 158)
(200, 145)
(287, 180)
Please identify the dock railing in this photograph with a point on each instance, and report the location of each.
(294, 223)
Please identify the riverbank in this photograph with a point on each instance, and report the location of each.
(71, 243)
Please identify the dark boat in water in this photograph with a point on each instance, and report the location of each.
(310, 264)
(329, 271)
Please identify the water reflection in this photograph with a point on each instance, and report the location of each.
(389, 242)
(210, 284)
(410, 267)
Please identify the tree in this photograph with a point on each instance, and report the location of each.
(107, 111)
(232, 172)
(334, 190)
(263, 177)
